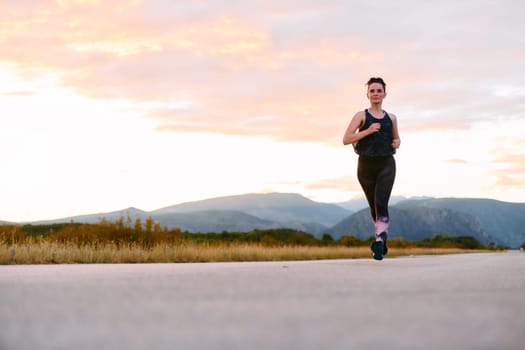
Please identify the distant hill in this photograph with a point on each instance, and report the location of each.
(214, 221)
(414, 223)
(131, 213)
(280, 207)
(502, 220)
(228, 220)
(356, 205)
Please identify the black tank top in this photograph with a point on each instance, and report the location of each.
(378, 144)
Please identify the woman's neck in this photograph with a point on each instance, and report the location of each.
(375, 108)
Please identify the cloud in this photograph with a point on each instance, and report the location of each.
(343, 183)
(457, 161)
(510, 170)
(508, 162)
(292, 71)
(19, 93)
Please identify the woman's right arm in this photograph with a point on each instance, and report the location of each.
(351, 136)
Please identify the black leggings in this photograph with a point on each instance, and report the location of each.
(376, 176)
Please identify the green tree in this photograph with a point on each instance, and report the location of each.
(327, 237)
(138, 226)
(149, 225)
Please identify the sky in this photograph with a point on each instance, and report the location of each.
(112, 104)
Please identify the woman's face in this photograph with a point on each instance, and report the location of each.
(376, 93)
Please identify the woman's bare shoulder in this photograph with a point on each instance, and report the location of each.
(360, 115)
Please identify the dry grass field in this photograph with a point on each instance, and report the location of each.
(67, 253)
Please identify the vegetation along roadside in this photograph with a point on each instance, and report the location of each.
(136, 242)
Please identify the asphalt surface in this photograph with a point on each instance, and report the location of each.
(471, 301)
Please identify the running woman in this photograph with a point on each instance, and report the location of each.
(375, 137)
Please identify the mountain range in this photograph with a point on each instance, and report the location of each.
(487, 220)
(239, 213)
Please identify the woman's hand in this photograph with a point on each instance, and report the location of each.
(396, 143)
(374, 127)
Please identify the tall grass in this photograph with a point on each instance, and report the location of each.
(45, 252)
(125, 242)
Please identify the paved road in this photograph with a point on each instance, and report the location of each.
(474, 301)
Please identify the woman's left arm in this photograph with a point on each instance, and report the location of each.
(396, 142)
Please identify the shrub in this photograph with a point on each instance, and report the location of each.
(351, 241)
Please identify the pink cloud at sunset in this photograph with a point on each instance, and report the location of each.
(508, 161)
(300, 66)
